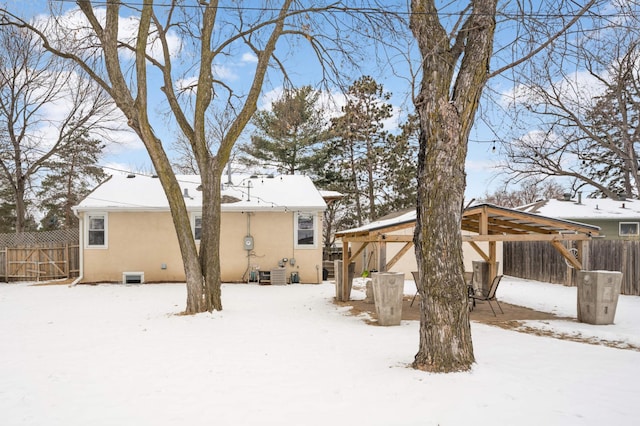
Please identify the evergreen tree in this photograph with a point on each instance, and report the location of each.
(73, 174)
(8, 212)
(360, 144)
(7, 209)
(287, 135)
(399, 169)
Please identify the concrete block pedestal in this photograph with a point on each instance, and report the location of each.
(388, 289)
(598, 293)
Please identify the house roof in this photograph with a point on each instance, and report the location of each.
(330, 196)
(586, 209)
(245, 193)
(486, 219)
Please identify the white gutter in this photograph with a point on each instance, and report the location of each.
(80, 249)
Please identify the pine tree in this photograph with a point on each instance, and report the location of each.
(287, 135)
(360, 145)
(73, 173)
(399, 169)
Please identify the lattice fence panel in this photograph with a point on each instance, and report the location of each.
(43, 238)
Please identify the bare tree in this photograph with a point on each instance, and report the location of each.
(529, 191)
(209, 33)
(457, 47)
(581, 122)
(42, 104)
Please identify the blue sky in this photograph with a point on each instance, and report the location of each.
(303, 69)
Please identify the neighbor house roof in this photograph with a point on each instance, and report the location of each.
(585, 208)
(245, 193)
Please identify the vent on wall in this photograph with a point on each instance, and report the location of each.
(132, 277)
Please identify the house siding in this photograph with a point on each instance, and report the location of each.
(609, 228)
(145, 241)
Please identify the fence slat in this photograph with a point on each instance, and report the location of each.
(538, 260)
(35, 256)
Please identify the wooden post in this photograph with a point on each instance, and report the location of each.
(493, 258)
(583, 256)
(569, 274)
(345, 270)
(382, 256)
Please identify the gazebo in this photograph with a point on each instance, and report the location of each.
(483, 223)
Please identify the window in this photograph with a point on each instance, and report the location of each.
(97, 230)
(132, 277)
(305, 232)
(629, 229)
(197, 227)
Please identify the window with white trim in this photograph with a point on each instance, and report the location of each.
(97, 230)
(629, 229)
(197, 227)
(305, 230)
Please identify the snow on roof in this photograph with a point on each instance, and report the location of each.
(587, 208)
(407, 217)
(245, 193)
(331, 195)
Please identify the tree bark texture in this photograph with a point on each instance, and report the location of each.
(454, 74)
(135, 107)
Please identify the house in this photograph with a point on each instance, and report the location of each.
(617, 219)
(268, 223)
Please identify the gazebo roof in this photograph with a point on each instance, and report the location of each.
(490, 223)
(513, 225)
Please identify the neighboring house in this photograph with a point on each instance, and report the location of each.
(267, 222)
(617, 219)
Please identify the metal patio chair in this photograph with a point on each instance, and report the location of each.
(491, 295)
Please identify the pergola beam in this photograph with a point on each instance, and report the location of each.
(399, 255)
(569, 257)
(479, 250)
(527, 237)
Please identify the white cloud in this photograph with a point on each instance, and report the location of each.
(72, 30)
(222, 72)
(189, 84)
(249, 58)
(578, 88)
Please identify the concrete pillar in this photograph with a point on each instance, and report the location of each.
(598, 293)
(388, 289)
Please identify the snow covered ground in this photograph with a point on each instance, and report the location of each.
(118, 355)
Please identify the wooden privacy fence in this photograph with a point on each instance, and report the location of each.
(39, 256)
(537, 260)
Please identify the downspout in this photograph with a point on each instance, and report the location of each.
(247, 272)
(80, 249)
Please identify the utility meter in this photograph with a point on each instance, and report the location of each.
(248, 242)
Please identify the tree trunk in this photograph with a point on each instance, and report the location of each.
(453, 75)
(445, 334)
(21, 209)
(210, 244)
(196, 300)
